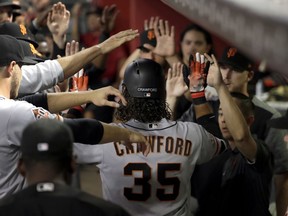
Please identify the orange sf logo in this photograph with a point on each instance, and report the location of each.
(33, 50)
(150, 35)
(23, 29)
(231, 52)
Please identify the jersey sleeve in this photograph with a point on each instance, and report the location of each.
(279, 148)
(41, 76)
(24, 113)
(87, 154)
(210, 146)
(264, 159)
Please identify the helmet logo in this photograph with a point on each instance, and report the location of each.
(23, 29)
(231, 52)
(147, 91)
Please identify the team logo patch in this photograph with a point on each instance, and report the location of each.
(33, 50)
(41, 113)
(23, 29)
(231, 52)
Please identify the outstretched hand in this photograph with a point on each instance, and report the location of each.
(100, 97)
(214, 78)
(175, 85)
(58, 23)
(79, 79)
(165, 37)
(108, 17)
(142, 143)
(117, 40)
(198, 73)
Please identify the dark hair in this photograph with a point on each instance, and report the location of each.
(142, 109)
(198, 28)
(244, 103)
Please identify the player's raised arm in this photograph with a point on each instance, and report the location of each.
(74, 63)
(70, 99)
(90, 131)
(234, 120)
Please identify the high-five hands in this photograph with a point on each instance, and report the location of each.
(214, 78)
(197, 78)
(198, 73)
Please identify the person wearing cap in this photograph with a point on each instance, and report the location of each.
(6, 10)
(15, 115)
(238, 181)
(160, 183)
(236, 70)
(47, 162)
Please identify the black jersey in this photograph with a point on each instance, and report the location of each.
(230, 185)
(51, 199)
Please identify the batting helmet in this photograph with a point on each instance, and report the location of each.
(144, 78)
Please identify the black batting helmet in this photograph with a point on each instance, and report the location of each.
(144, 78)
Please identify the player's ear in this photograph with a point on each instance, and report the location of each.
(21, 167)
(9, 69)
(250, 75)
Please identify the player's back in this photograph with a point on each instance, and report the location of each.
(12, 121)
(158, 184)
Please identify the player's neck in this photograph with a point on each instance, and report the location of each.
(5, 88)
(37, 176)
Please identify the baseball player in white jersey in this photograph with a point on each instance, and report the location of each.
(160, 183)
(15, 115)
(47, 74)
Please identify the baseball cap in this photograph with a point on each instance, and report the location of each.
(147, 37)
(18, 31)
(30, 52)
(45, 139)
(280, 123)
(4, 3)
(234, 58)
(11, 50)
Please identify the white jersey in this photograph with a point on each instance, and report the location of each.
(40, 77)
(15, 116)
(158, 184)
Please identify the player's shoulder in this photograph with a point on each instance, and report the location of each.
(106, 207)
(264, 110)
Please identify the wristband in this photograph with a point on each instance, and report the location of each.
(198, 97)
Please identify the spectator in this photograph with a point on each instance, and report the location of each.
(6, 10)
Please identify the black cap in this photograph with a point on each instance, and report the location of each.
(4, 3)
(147, 37)
(11, 50)
(46, 139)
(279, 123)
(144, 78)
(18, 31)
(235, 59)
(30, 52)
